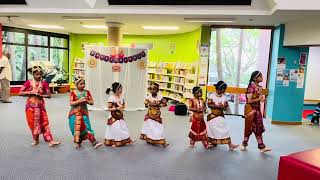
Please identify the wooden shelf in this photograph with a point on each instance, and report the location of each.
(164, 88)
(160, 81)
(78, 70)
(173, 73)
(178, 75)
(168, 89)
(170, 82)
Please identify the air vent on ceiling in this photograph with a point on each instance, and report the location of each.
(13, 2)
(180, 2)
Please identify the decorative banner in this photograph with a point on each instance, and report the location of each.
(120, 58)
(141, 64)
(92, 62)
(116, 68)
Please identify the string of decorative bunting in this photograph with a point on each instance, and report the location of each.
(112, 59)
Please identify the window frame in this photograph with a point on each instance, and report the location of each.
(26, 45)
(272, 28)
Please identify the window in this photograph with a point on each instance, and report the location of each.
(37, 40)
(234, 54)
(13, 37)
(59, 57)
(26, 46)
(14, 43)
(38, 54)
(58, 42)
(18, 61)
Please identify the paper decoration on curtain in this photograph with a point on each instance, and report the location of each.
(141, 64)
(114, 59)
(116, 68)
(92, 62)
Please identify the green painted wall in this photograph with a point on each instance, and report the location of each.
(186, 45)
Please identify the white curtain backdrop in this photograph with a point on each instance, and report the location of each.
(132, 78)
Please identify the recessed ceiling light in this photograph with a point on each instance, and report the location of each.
(169, 28)
(42, 26)
(95, 26)
(210, 20)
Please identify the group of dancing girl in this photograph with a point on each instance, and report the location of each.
(211, 131)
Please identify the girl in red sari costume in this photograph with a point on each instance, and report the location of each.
(252, 112)
(36, 90)
(198, 130)
(79, 122)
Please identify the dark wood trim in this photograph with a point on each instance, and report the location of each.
(301, 46)
(268, 72)
(68, 70)
(13, 44)
(17, 82)
(286, 123)
(35, 32)
(242, 27)
(49, 55)
(39, 46)
(26, 55)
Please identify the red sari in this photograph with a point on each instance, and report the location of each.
(198, 130)
(35, 109)
(253, 118)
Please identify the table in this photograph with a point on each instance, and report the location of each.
(64, 88)
(303, 165)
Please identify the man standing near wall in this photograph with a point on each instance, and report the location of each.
(5, 77)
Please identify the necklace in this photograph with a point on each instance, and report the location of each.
(199, 103)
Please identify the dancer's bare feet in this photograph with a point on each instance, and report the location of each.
(132, 141)
(97, 145)
(165, 145)
(264, 150)
(54, 143)
(233, 146)
(77, 146)
(209, 146)
(243, 148)
(192, 144)
(35, 143)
